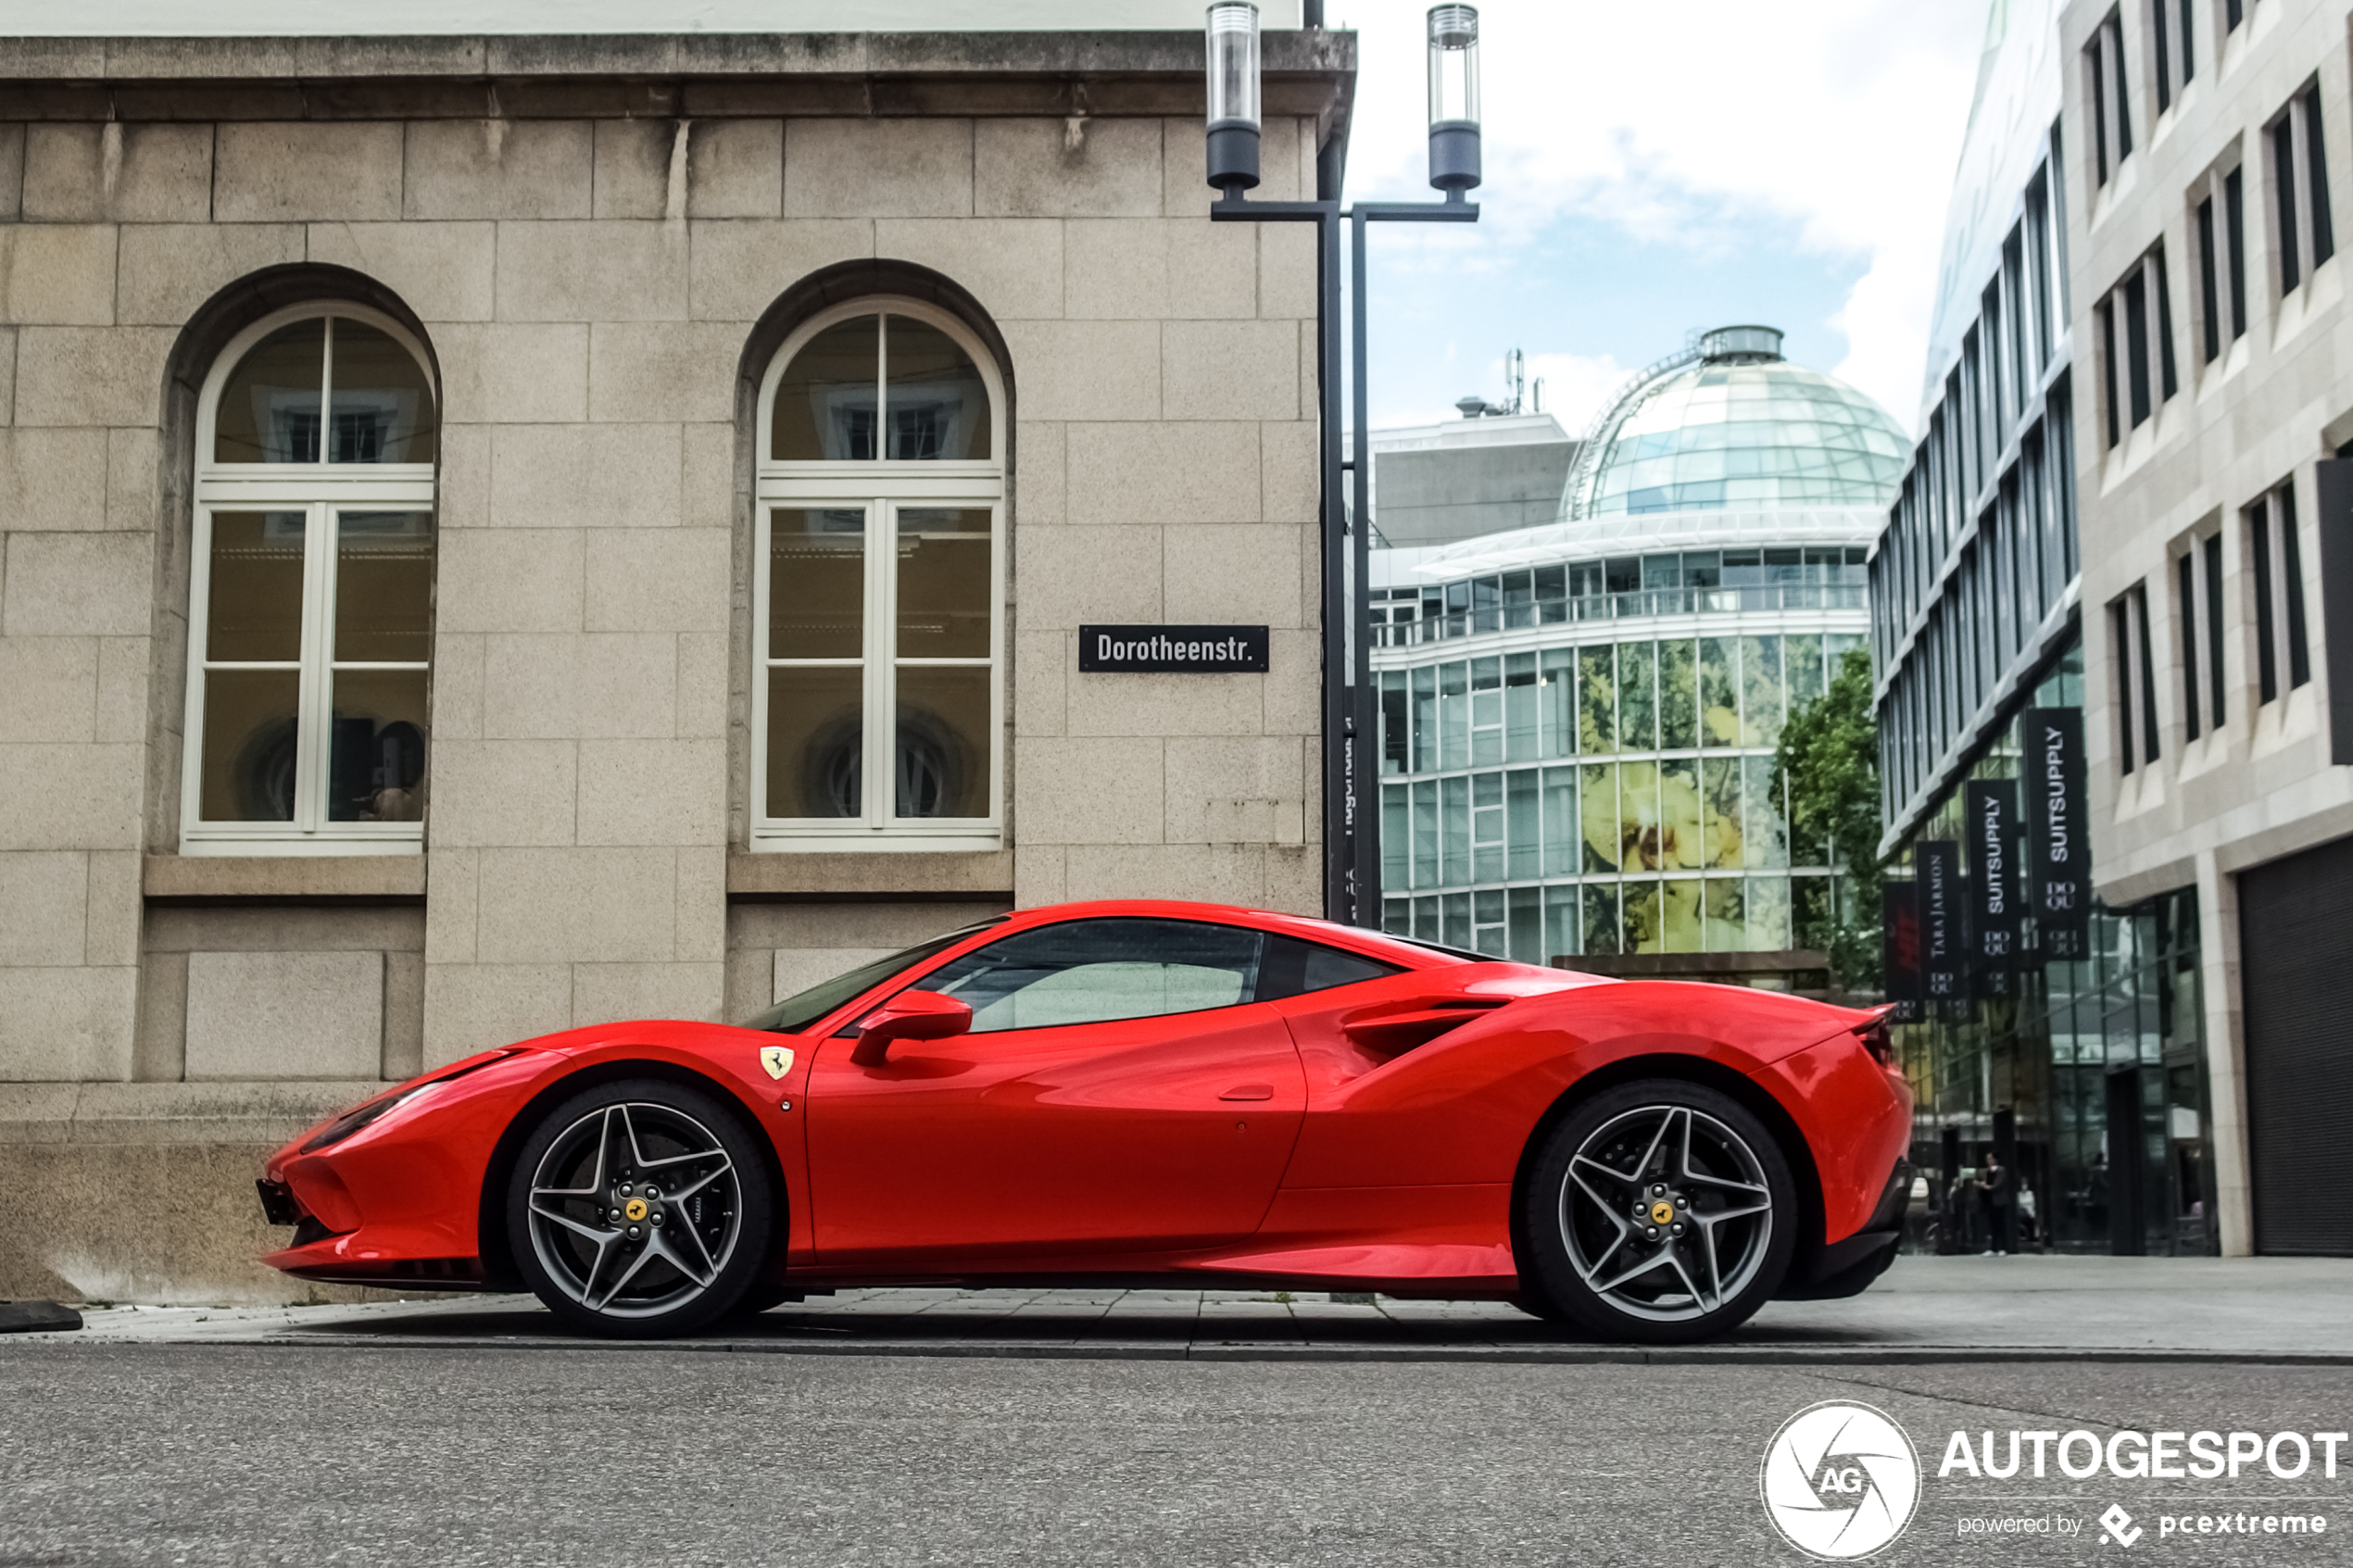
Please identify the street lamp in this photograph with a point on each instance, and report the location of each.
(1453, 97)
(1351, 849)
(1233, 95)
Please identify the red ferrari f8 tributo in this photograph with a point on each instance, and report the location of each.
(1142, 1093)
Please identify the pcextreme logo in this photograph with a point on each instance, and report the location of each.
(1839, 1481)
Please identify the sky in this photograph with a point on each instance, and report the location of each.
(1656, 167)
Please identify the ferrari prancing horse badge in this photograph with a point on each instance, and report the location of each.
(776, 1059)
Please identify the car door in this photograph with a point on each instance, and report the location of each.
(1122, 1090)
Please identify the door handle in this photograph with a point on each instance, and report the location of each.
(1249, 1091)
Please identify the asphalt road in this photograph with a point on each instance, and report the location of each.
(136, 1454)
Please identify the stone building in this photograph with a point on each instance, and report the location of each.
(506, 533)
(2213, 425)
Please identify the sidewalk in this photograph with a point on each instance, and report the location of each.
(2261, 1309)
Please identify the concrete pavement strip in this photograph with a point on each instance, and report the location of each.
(1927, 1310)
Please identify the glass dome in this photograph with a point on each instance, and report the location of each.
(1745, 434)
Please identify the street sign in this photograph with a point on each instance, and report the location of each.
(1173, 650)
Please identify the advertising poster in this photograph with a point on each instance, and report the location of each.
(1990, 816)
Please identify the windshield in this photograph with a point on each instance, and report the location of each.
(796, 1013)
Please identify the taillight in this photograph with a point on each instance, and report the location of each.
(1877, 1040)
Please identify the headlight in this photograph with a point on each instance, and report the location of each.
(367, 1115)
(375, 1110)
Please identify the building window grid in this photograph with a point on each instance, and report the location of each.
(2276, 557)
(2112, 115)
(2137, 371)
(1503, 755)
(2136, 722)
(2303, 225)
(2174, 51)
(314, 526)
(894, 494)
(2220, 219)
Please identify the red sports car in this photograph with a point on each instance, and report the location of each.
(1142, 1093)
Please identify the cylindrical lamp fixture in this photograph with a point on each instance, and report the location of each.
(1453, 97)
(1233, 95)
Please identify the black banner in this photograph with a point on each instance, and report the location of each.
(2052, 739)
(1179, 650)
(1936, 872)
(1901, 933)
(1992, 817)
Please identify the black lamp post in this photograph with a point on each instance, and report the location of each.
(1352, 824)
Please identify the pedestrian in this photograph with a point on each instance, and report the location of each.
(1997, 1189)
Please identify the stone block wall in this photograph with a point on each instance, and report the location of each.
(588, 288)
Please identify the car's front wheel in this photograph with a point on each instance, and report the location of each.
(640, 1208)
(1661, 1211)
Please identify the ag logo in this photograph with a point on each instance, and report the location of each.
(1839, 1481)
(776, 1059)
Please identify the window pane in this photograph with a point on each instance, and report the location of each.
(826, 400)
(253, 611)
(1678, 696)
(1601, 917)
(1724, 905)
(943, 582)
(249, 744)
(1637, 705)
(1679, 903)
(1088, 972)
(1561, 857)
(1760, 690)
(1720, 810)
(1604, 845)
(381, 408)
(1683, 828)
(817, 739)
(1765, 842)
(1645, 919)
(1720, 719)
(938, 405)
(816, 582)
(269, 408)
(376, 770)
(384, 587)
(1596, 701)
(1804, 655)
(943, 750)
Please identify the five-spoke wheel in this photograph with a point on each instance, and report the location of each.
(639, 1208)
(1662, 1212)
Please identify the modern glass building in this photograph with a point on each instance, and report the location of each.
(2057, 1034)
(1578, 719)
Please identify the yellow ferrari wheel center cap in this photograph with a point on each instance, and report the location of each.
(1662, 1213)
(635, 1209)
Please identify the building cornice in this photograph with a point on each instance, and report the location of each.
(695, 74)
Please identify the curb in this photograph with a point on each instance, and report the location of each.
(1578, 1355)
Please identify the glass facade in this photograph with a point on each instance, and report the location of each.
(1747, 436)
(2088, 1080)
(2084, 1076)
(1570, 795)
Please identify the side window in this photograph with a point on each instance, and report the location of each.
(1293, 968)
(1096, 970)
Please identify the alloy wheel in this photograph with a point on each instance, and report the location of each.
(635, 1209)
(1666, 1212)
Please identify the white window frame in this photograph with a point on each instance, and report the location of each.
(319, 491)
(881, 488)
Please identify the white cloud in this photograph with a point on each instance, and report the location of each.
(1676, 121)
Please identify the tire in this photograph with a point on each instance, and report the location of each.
(1718, 1226)
(640, 1210)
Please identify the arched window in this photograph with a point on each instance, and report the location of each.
(310, 598)
(878, 699)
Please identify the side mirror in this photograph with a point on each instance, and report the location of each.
(910, 1015)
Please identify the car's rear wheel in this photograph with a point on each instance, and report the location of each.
(1660, 1211)
(640, 1208)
